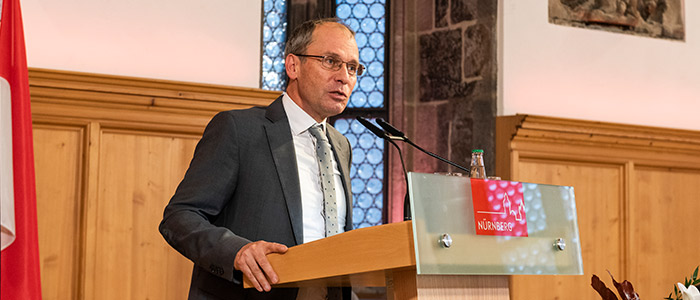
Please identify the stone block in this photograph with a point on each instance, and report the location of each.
(487, 9)
(473, 123)
(440, 65)
(484, 124)
(477, 50)
(463, 10)
(437, 91)
(483, 108)
(433, 135)
(424, 15)
(441, 13)
(461, 137)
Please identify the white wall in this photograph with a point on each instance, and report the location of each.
(212, 41)
(554, 70)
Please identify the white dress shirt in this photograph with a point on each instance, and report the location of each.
(309, 174)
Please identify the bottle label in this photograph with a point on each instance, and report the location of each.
(499, 207)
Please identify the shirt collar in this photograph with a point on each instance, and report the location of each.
(299, 120)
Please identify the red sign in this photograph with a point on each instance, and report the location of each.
(499, 207)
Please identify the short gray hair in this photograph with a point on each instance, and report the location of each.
(300, 38)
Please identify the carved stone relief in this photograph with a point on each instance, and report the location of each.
(653, 18)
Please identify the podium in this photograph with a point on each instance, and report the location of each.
(445, 252)
(377, 256)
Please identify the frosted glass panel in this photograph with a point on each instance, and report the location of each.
(443, 205)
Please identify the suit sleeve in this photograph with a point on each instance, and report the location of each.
(205, 190)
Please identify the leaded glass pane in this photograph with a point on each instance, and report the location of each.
(274, 34)
(366, 173)
(367, 19)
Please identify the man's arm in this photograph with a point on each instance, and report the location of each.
(207, 187)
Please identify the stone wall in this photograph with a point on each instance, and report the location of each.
(443, 83)
(456, 105)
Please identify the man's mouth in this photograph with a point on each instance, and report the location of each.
(339, 94)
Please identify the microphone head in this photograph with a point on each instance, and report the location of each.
(373, 128)
(390, 129)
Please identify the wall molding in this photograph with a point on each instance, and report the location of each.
(133, 103)
(537, 136)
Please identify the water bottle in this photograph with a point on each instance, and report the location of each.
(477, 169)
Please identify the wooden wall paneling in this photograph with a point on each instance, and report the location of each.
(664, 240)
(137, 175)
(136, 140)
(628, 196)
(91, 188)
(598, 189)
(58, 152)
(178, 269)
(635, 189)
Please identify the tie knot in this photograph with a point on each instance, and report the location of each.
(317, 132)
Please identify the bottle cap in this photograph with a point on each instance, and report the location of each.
(478, 151)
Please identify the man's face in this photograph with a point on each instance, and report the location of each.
(323, 92)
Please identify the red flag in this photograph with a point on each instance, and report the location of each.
(19, 259)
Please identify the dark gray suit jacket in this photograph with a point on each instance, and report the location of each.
(241, 186)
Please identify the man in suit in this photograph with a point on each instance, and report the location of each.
(253, 186)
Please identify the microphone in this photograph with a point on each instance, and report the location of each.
(382, 134)
(397, 134)
(373, 128)
(390, 133)
(390, 129)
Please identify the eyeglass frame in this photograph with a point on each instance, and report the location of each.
(360, 67)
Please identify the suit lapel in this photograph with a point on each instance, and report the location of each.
(342, 156)
(279, 138)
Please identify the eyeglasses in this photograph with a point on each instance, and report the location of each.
(332, 63)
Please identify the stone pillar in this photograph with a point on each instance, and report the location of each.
(443, 83)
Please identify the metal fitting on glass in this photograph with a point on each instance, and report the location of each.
(559, 244)
(445, 240)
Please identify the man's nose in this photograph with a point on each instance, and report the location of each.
(343, 75)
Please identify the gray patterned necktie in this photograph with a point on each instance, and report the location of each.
(324, 155)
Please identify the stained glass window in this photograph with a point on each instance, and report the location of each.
(367, 19)
(274, 35)
(367, 172)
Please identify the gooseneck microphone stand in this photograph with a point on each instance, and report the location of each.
(390, 134)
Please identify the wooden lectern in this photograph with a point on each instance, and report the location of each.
(444, 209)
(378, 256)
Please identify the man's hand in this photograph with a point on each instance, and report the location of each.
(251, 260)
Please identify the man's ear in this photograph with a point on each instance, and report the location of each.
(292, 66)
